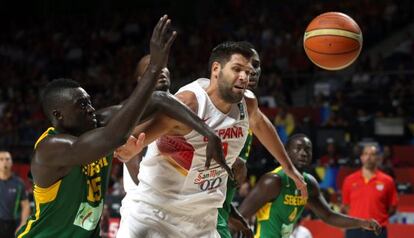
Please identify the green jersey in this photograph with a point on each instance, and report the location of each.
(72, 206)
(224, 212)
(277, 218)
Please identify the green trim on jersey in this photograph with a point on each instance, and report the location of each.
(245, 152)
(224, 212)
(71, 207)
(277, 218)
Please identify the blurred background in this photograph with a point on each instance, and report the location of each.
(98, 43)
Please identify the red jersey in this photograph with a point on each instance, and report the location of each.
(369, 199)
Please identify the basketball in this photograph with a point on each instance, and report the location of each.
(332, 41)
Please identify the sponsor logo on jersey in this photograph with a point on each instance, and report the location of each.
(209, 179)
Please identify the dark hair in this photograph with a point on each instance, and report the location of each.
(222, 52)
(49, 96)
(293, 138)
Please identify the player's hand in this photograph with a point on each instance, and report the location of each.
(160, 44)
(130, 149)
(299, 181)
(371, 225)
(239, 171)
(215, 151)
(239, 224)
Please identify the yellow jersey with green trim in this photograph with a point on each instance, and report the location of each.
(72, 206)
(277, 218)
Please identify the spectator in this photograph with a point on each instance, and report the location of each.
(13, 198)
(285, 123)
(369, 193)
(331, 156)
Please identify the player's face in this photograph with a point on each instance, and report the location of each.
(163, 82)
(255, 76)
(301, 152)
(370, 157)
(233, 78)
(78, 115)
(6, 162)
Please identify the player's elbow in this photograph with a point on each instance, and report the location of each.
(159, 98)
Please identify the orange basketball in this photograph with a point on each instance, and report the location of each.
(332, 41)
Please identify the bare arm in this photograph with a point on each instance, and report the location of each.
(67, 150)
(320, 207)
(133, 168)
(238, 223)
(264, 130)
(266, 190)
(162, 124)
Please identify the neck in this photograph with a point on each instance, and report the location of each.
(5, 175)
(215, 98)
(368, 173)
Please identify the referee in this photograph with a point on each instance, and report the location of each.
(14, 204)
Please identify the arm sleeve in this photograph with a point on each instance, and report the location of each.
(393, 194)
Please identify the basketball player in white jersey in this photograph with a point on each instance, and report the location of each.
(178, 195)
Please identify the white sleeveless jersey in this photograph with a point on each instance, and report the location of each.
(172, 174)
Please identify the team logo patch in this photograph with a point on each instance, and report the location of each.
(380, 186)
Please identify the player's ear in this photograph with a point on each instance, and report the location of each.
(215, 69)
(57, 115)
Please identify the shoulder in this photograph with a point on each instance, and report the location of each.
(270, 180)
(385, 177)
(353, 176)
(250, 98)
(251, 101)
(311, 179)
(18, 180)
(188, 98)
(312, 185)
(51, 144)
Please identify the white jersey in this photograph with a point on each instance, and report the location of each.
(172, 174)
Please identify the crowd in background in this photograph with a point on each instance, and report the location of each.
(101, 50)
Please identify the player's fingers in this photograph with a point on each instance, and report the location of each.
(141, 139)
(171, 40)
(164, 20)
(229, 171)
(131, 140)
(156, 31)
(164, 29)
(208, 162)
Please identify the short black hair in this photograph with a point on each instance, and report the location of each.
(49, 96)
(294, 137)
(222, 52)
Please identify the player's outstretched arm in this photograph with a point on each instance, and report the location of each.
(238, 223)
(177, 117)
(320, 207)
(266, 190)
(66, 150)
(264, 130)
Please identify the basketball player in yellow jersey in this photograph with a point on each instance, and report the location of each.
(70, 165)
(276, 202)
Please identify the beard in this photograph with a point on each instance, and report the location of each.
(226, 90)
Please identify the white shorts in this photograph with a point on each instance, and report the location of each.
(142, 220)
